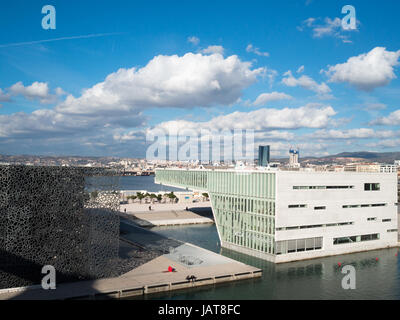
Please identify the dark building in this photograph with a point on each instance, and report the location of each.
(263, 156)
(58, 216)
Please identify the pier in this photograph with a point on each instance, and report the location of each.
(192, 267)
(168, 214)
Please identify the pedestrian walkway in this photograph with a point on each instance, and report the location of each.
(150, 277)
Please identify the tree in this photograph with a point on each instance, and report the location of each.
(131, 198)
(152, 197)
(140, 196)
(159, 198)
(171, 196)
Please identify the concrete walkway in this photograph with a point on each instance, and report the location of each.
(168, 214)
(151, 277)
(168, 218)
(156, 207)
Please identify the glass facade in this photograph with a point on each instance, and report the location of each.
(263, 156)
(243, 203)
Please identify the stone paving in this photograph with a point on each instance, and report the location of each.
(152, 276)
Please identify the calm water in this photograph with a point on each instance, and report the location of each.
(312, 279)
(143, 183)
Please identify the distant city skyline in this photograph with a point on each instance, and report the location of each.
(98, 83)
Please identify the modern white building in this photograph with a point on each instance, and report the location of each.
(371, 167)
(337, 212)
(388, 168)
(284, 216)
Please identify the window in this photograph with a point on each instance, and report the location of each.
(301, 245)
(345, 223)
(291, 246)
(344, 240)
(320, 208)
(339, 187)
(351, 239)
(372, 219)
(368, 237)
(392, 230)
(318, 243)
(298, 245)
(386, 220)
(310, 244)
(315, 226)
(372, 186)
(291, 206)
(321, 187)
(347, 206)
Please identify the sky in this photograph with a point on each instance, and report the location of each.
(113, 72)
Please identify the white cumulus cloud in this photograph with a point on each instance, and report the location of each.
(251, 48)
(328, 28)
(308, 116)
(306, 82)
(366, 71)
(167, 81)
(265, 98)
(393, 119)
(194, 40)
(36, 91)
(213, 49)
(4, 97)
(358, 133)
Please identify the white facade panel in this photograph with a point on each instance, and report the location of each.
(334, 200)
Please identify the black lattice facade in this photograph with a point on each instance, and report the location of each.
(60, 216)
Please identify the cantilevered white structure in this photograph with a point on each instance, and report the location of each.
(284, 216)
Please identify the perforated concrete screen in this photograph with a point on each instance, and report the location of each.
(59, 216)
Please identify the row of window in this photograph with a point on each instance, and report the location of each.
(375, 219)
(321, 187)
(315, 226)
(367, 187)
(298, 245)
(352, 239)
(294, 206)
(345, 206)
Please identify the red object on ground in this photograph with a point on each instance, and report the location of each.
(339, 264)
(169, 269)
(376, 259)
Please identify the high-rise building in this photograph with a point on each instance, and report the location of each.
(285, 216)
(263, 156)
(294, 157)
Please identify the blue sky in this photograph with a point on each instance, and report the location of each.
(286, 69)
